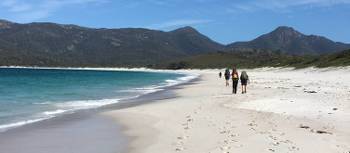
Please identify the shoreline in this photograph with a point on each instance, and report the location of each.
(140, 69)
(275, 116)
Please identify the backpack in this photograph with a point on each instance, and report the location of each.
(244, 75)
(234, 76)
(227, 72)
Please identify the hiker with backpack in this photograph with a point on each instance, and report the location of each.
(235, 79)
(227, 76)
(244, 80)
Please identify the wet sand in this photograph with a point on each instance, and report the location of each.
(78, 133)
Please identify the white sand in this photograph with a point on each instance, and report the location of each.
(207, 118)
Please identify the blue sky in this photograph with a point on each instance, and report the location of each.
(224, 21)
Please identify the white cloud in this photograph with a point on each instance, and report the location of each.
(278, 5)
(14, 6)
(178, 23)
(28, 11)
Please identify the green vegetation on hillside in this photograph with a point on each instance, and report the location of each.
(337, 59)
(260, 58)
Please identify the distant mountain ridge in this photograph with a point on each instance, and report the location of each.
(51, 44)
(290, 41)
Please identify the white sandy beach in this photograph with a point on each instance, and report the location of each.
(284, 111)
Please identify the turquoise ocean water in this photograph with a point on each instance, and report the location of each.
(32, 95)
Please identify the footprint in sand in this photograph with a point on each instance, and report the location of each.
(275, 143)
(252, 129)
(179, 149)
(179, 145)
(272, 137)
(225, 148)
(182, 137)
(253, 124)
(293, 148)
(189, 119)
(233, 135)
(290, 144)
(180, 142)
(272, 150)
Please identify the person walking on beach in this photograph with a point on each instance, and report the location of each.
(235, 79)
(227, 77)
(220, 74)
(244, 80)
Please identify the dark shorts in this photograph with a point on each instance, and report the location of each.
(244, 82)
(227, 77)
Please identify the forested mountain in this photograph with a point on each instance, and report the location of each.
(290, 41)
(49, 44)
